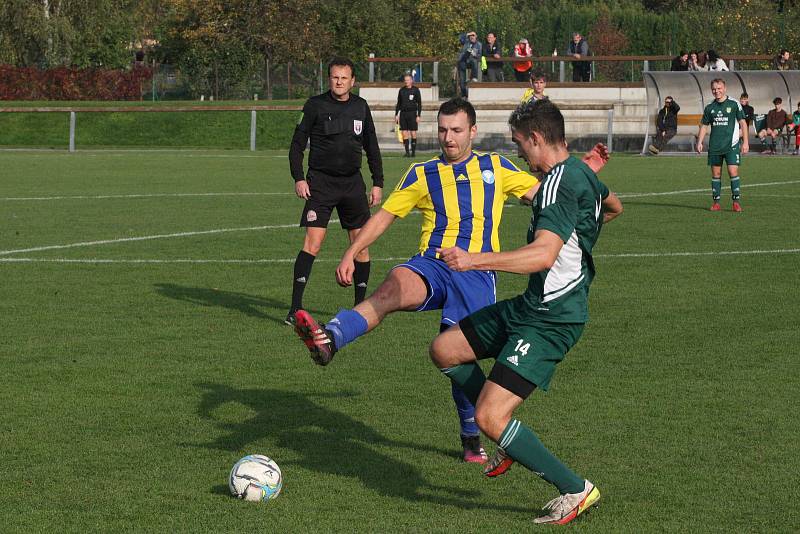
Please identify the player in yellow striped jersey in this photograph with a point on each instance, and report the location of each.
(460, 195)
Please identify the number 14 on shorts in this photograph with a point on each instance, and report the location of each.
(520, 350)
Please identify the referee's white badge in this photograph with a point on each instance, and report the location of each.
(357, 127)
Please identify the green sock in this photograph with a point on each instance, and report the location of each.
(735, 187)
(469, 377)
(524, 447)
(716, 188)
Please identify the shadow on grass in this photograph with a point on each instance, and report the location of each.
(250, 305)
(331, 443)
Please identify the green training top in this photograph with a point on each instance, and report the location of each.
(724, 119)
(569, 204)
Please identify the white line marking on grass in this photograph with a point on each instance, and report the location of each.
(403, 258)
(704, 190)
(149, 237)
(143, 195)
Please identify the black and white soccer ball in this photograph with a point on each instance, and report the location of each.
(255, 478)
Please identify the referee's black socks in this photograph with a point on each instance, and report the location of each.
(360, 279)
(302, 272)
(413, 147)
(405, 145)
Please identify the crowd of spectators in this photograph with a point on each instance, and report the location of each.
(698, 60)
(484, 60)
(476, 59)
(701, 60)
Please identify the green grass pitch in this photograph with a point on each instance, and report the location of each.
(143, 353)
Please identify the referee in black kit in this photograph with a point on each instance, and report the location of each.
(340, 125)
(407, 113)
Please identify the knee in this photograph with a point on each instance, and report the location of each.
(438, 353)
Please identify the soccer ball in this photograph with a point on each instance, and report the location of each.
(255, 478)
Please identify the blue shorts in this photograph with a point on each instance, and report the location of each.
(456, 294)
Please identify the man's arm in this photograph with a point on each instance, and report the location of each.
(612, 207)
(369, 233)
(700, 136)
(297, 147)
(397, 106)
(536, 256)
(745, 136)
(370, 143)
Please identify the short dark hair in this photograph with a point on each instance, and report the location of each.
(340, 61)
(778, 100)
(454, 105)
(538, 74)
(542, 117)
(683, 53)
(744, 95)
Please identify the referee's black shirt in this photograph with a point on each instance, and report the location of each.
(338, 131)
(409, 99)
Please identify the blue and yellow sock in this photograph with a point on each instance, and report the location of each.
(346, 326)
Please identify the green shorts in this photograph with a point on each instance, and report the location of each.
(510, 332)
(732, 156)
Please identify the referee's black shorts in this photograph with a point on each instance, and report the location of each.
(408, 121)
(347, 194)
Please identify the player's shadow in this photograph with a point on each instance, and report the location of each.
(329, 442)
(665, 205)
(250, 305)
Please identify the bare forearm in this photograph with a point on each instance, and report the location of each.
(701, 134)
(529, 259)
(370, 232)
(612, 207)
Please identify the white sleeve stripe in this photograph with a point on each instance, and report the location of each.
(552, 189)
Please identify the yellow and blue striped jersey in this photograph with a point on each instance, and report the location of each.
(461, 203)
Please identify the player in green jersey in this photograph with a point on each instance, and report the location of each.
(529, 334)
(728, 140)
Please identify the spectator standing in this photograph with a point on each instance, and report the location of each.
(796, 127)
(340, 126)
(536, 90)
(666, 125)
(492, 50)
(681, 62)
(782, 61)
(775, 123)
(407, 113)
(522, 69)
(469, 58)
(715, 63)
(579, 48)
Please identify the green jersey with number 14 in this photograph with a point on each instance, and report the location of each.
(569, 204)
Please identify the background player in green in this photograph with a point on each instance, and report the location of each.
(529, 334)
(725, 118)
